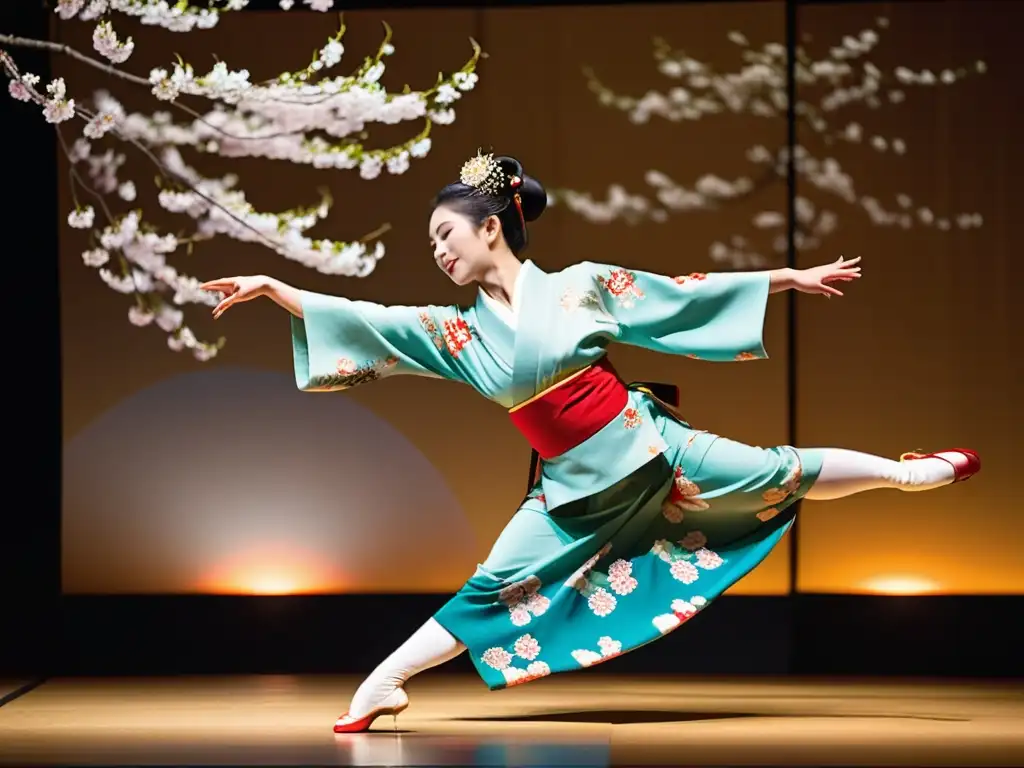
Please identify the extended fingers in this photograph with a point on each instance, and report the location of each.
(221, 308)
(222, 285)
(844, 273)
(828, 290)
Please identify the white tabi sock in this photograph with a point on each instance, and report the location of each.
(845, 472)
(428, 647)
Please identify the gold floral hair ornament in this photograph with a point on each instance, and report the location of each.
(485, 174)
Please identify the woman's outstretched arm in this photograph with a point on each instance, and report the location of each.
(339, 343)
(708, 316)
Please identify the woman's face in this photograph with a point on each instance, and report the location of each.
(462, 250)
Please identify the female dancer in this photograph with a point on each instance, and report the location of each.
(638, 521)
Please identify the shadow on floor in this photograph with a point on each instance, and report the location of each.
(628, 717)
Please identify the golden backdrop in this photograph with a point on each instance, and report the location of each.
(220, 477)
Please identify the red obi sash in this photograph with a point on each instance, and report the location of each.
(572, 411)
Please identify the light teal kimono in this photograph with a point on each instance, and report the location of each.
(625, 536)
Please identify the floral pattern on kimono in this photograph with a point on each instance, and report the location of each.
(431, 329)
(632, 418)
(573, 299)
(525, 649)
(598, 587)
(685, 564)
(607, 649)
(789, 486)
(683, 497)
(681, 612)
(453, 334)
(693, 277)
(457, 334)
(524, 600)
(349, 374)
(622, 285)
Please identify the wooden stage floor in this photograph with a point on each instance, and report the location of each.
(576, 719)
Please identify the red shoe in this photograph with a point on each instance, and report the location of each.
(965, 462)
(396, 703)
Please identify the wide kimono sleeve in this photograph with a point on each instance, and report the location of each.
(339, 343)
(717, 316)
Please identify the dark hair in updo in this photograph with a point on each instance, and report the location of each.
(477, 205)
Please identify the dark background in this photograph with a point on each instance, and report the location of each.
(922, 353)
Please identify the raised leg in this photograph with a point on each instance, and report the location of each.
(382, 692)
(845, 472)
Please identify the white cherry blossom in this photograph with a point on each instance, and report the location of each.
(827, 85)
(311, 116)
(106, 42)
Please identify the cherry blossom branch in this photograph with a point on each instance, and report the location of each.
(303, 116)
(177, 16)
(144, 273)
(78, 181)
(324, 106)
(285, 231)
(65, 109)
(14, 41)
(109, 69)
(280, 231)
(228, 213)
(171, 175)
(281, 121)
(759, 89)
(233, 88)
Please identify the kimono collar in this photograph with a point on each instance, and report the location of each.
(508, 316)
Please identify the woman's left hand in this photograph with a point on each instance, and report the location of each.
(820, 279)
(236, 290)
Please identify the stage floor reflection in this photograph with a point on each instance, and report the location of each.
(572, 720)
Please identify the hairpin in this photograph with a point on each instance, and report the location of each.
(484, 173)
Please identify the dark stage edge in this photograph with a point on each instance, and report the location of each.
(968, 637)
(390, 5)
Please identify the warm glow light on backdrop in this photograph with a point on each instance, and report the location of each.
(220, 477)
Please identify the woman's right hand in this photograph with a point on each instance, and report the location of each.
(236, 290)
